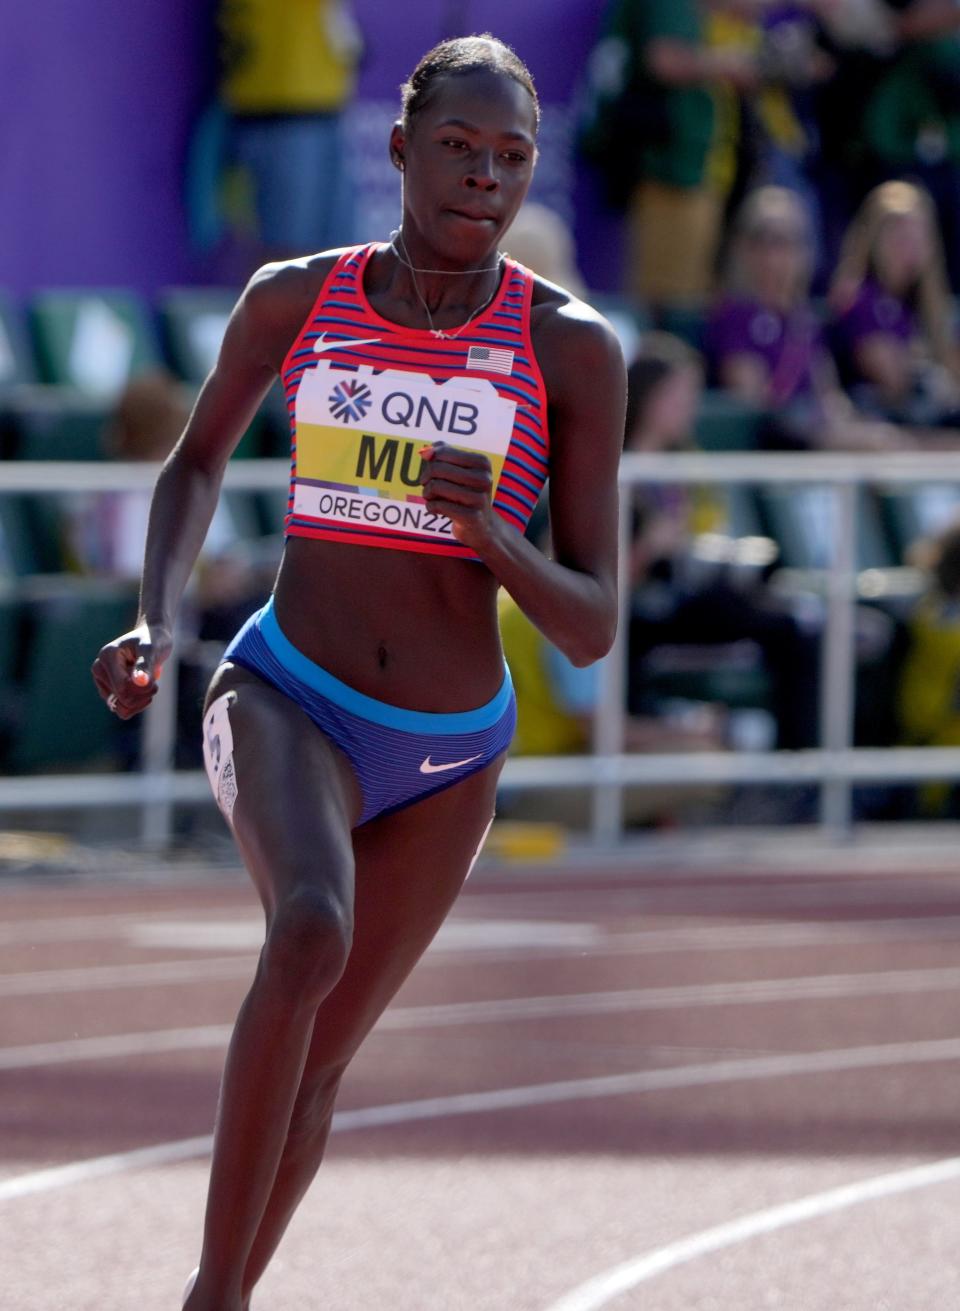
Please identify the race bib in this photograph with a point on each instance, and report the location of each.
(359, 436)
(218, 753)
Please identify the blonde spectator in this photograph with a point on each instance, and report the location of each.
(766, 343)
(894, 335)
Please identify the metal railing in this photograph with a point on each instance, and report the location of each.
(834, 766)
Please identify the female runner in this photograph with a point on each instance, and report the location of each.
(355, 731)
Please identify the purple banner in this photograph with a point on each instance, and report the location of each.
(100, 102)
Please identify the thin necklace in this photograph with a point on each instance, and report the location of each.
(440, 332)
(453, 273)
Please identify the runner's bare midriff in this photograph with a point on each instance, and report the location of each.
(413, 630)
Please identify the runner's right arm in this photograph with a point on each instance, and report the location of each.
(263, 323)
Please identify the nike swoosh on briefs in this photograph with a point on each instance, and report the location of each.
(321, 344)
(428, 768)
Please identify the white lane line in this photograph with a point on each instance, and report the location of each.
(91, 928)
(604, 1288)
(100, 978)
(525, 1096)
(801, 933)
(662, 901)
(707, 939)
(34, 1056)
(769, 901)
(243, 932)
(142, 1158)
(702, 938)
(750, 992)
(455, 935)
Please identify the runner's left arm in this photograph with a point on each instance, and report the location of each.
(571, 597)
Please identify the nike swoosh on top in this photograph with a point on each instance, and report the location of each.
(428, 768)
(321, 344)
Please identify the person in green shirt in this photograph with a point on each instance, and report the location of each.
(661, 126)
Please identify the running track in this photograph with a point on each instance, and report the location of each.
(676, 1090)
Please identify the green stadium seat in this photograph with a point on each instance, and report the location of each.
(61, 719)
(31, 530)
(689, 323)
(726, 423)
(276, 424)
(800, 520)
(17, 364)
(742, 512)
(41, 421)
(9, 619)
(94, 340)
(628, 318)
(917, 511)
(715, 676)
(47, 422)
(193, 321)
(11, 613)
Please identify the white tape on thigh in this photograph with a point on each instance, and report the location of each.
(218, 753)
(476, 854)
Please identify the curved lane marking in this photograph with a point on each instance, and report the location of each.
(606, 1287)
(748, 992)
(503, 1099)
(111, 978)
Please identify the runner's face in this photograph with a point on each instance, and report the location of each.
(468, 160)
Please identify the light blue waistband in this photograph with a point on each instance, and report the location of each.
(368, 707)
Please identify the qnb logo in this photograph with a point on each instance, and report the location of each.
(349, 401)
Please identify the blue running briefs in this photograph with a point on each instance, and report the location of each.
(399, 756)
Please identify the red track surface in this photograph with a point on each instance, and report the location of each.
(730, 982)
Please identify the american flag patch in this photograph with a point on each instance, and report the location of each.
(489, 357)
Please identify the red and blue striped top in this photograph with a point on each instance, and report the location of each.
(365, 395)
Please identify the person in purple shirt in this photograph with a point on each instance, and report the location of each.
(893, 332)
(764, 340)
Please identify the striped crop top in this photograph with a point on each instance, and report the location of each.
(364, 395)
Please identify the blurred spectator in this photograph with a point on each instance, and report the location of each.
(289, 72)
(543, 242)
(764, 340)
(106, 533)
(556, 700)
(556, 703)
(893, 110)
(661, 126)
(911, 122)
(781, 135)
(928, 698)
(680, 598)
(106, 530)
(894, 336)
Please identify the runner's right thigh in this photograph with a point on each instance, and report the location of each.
(295, 797)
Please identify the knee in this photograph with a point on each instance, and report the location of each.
(308, 942)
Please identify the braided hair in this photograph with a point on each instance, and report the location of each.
(462, 54)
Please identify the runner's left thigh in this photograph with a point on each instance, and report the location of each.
(410, 867)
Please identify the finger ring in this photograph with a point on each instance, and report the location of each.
(112, 701)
